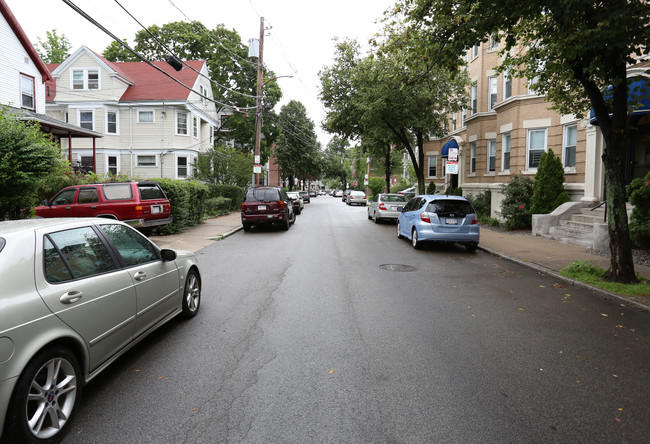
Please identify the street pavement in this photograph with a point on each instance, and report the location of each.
(544, 255)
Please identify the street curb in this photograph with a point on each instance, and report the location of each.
(547, 271)
(231, 232)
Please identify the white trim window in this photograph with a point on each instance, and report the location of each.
(181, 123)
(535, 146)
(195, 127)
(27, 92)
(85, 79)
(112, 122)
(492, 92)
(507, 86)
(463, 115)
(475, 51)
(146, 116)
(182, 167)
(146, 160)
(211, 135)
(505, 151)
(569, 145)
(454, 121)
(112, 165)
(86, 118)
(432, 167)
(491, 155)
(472, 157)
(474, 96)
(494, 41)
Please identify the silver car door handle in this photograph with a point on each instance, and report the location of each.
(70, 297)
(140, 275)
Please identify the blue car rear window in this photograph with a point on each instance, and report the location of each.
(457, 207)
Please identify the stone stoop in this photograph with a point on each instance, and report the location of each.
(578, 229)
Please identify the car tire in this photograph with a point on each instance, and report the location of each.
(293, 218)
(49, 387)
(285, 224)
(471, 247)
(414, 239)
(191, 294)
(375, 219)
(247, 226)
(399, 231)
(369, 216)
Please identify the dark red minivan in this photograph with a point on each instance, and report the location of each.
(267, 205)
(139, 204)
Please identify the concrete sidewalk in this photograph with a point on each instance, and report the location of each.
(544, 255)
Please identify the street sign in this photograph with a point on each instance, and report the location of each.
(257, 169)
(354, 183)
(452, 167)
(453, 154)
(257, 159)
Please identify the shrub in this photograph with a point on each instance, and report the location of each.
(548, 188)
(638, 192)
(431, 188)
(234, 193)
(482, 203)
(488, 221)
(187, 198)
(216, 206)
(400, 186)
(454, 191)
(515, 206)
(376, 185)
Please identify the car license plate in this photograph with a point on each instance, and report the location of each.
(156, 209)
(261, 207)
(451, 221)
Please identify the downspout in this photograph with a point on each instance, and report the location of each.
(131, 139)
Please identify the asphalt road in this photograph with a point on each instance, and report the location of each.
(304, 337)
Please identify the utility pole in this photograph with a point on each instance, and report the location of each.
(257, 168)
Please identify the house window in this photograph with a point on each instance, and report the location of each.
(454, 121)
(463, 114)
(505, 152)
(494, 41)
(86, 120)
(570, 141)
(111, 122)
(507, 86)
(87, 163)
(474, 99)
(475, 51)
(211, 135)
(492, 99)
(492, 155)
(195, 127)
(145, 117)
(433, 166)
(472, 157)
(535, 147)
(181, 123)
(85, 79)
(27, 92)
(112, 165)
(181, 168)
(146, 161)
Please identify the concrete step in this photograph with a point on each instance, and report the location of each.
(572, 223)
(588, 218)
(583, 242)
(567, 231)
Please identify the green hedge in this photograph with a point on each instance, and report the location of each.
(187, 198)
(234, 193)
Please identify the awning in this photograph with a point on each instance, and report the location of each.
(451, 143)
(638, 97)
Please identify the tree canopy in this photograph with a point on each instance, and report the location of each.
(55, 48)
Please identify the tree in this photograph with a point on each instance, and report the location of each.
(575, 50)
(27, 156)
(55, 48)
(224, 165)
(335, 163)
(383, 94)
(296, 151)
(233, 74)
(548, 188)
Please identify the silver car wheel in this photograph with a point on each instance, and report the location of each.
(414, 239)
(399, 231)
(192, 296)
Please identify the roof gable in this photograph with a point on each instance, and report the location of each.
(151, 84)
(24, 41)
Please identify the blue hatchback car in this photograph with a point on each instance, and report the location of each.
(439, 218)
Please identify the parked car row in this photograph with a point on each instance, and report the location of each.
(77, 294)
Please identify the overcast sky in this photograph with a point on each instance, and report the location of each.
(299, 42)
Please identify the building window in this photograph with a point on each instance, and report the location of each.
(472, 157)
(195, 127)
(474, 98)
(505, 152)
(181, 167)
(145, 117)
(475, 51)
(492, 155)
(492, 98)
(87, 163)
(86, 120)
(494, 41)
(111, 122)
(112, 165)
(181, 123)
(85, 79)
(146, 161)
(27, 92)
(535, 147)
(570, 141)
(433, 166)
(211, 135)
(463, 115)
(507, 86)
(454, 121)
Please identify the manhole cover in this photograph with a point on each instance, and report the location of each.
(397, 267)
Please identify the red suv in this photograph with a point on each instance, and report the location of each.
(139, 204)
(267, 205)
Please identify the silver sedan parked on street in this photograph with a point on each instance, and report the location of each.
(383, 206)
(76, 294)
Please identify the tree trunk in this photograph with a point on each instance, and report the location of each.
(419, 168)
(388, 168)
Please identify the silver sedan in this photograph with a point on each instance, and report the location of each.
(77, 294)
(384, 206)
